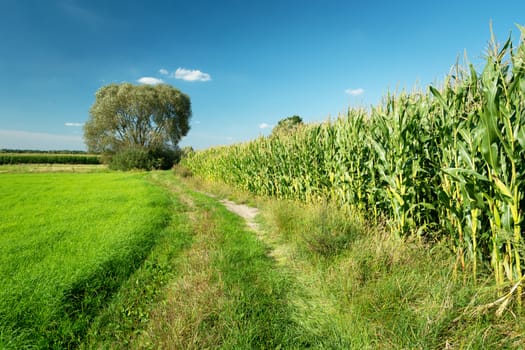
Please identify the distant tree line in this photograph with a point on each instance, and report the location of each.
(7, 150)
(48, 158)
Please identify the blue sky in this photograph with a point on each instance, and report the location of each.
(244, 64)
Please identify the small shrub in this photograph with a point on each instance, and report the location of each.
(132, 158)
(139, 158)
(164, 158)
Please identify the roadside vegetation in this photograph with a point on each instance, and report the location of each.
(355, 285)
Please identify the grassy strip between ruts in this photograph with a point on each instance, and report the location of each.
(229, 293)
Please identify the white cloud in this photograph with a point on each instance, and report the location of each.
(163, 71)
(14, 139)
(191, 75)
(264, 126)
(150, 81)
(73, 124)
(354, 92)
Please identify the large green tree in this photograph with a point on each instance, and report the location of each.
(137, 118)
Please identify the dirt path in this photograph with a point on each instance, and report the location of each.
(244, 211)
(279, 251)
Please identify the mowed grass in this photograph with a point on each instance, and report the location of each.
(67, 243)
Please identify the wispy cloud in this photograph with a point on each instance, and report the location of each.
(354, 92)
(73, 124)
(191, 75)
(150, 81)
(163, 71)
(264, 126)
(81, 12)
(15, 139)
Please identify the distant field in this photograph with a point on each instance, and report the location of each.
(48, 158)
(53, 168)
(67, 243)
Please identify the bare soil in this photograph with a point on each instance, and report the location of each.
(244, 211)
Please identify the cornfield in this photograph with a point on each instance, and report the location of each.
(447, 163)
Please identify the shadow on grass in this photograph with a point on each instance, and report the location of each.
(81, 301)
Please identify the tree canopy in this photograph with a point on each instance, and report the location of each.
(145, 118)
(287, 125)
(126, 116)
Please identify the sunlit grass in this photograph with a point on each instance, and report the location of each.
(143, 261)
(67, 242)
(228, 294)
(353, 285)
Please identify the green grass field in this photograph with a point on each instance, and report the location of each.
(53, 168)
(111, 260)
(67, 243)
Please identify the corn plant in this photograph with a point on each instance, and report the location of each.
(447, 163)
